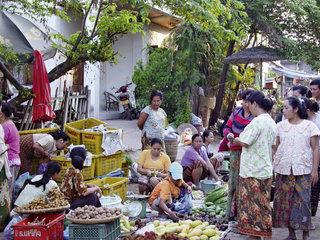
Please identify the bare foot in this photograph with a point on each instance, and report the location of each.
(305, 235)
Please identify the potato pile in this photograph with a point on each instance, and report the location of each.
(92, 212)
(54, 199)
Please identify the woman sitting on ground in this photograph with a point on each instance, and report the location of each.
(40, 185)
(196, 165)
(153, 165)
(73, 186)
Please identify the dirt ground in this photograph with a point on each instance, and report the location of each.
(133, 147)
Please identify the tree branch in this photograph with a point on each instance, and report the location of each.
(8, 75)
(97, 18)
(84, 20)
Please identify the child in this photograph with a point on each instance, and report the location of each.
(168, 190)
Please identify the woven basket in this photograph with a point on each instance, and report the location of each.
(184, 126)
(92, 221)
(41, 211)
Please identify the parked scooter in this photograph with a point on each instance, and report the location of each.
(128, 102)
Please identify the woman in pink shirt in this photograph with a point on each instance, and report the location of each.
(12, 139)
(296, 162)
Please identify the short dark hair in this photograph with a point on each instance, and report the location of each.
(205, 134)
(77, 162)
(313, 106)
(316, 82)
(7, 109)
(78, 151)
(195, 136)
(246, 93)
(156, 93)
(59, 135)
(259, 97)
(302, 89)
(155, 140)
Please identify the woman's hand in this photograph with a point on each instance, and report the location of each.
(189, 189)
(149, 173)
(230, 137)
(314, 177)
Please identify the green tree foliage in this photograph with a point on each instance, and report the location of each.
(157, 74)
(290, 26)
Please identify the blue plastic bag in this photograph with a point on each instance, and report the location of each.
(8, 233)
(184, 204)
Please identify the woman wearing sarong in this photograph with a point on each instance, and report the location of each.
(40, 146)
(296, 164)
(197, 166)
(73, 186)
(255, 180)
(5, 175)
(153, 165)
(152, 121)
(238, 120)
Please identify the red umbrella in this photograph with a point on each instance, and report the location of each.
(42, 110)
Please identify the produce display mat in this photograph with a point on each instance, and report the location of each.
(92, 221)
(43, 210)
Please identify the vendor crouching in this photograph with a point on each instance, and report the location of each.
(75, 189)
(168, 190)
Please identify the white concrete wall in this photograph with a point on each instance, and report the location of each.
(132, 48)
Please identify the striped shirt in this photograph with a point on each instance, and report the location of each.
(236, 124)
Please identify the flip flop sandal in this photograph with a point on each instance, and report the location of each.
(235, 230)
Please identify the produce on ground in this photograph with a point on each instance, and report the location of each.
(197, 195)
(217, 209)
(92, 212)
(193, 230)
(54, 199)
(217, 194)
(126, 225)
(153, 236)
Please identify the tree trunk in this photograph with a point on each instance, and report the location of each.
(8, 75)
(231, 103)
(216, 111)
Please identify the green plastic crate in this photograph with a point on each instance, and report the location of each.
(106, 231)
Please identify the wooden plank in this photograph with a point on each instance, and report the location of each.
(25, 115)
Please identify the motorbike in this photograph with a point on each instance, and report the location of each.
(128, 102)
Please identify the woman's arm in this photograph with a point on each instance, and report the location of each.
(143, 171)
(275, 147)
(37, 147)
(186, 186)
(315, 156)
(165, 208)
(92, 189)
(142, 118)
(237, 142)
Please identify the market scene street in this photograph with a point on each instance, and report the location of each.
(159, 120)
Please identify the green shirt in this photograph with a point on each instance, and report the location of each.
(256, 159)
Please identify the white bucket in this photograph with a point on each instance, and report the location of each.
(111, 201)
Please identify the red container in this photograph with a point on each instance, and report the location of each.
(52, 229)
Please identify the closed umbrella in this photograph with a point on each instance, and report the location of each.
(42, 110)
(23, 37)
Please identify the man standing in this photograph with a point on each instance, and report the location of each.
(315, 89)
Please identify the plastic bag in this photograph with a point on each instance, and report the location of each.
(186, 137)
(8, 233)
(184, 204)
(18, 184)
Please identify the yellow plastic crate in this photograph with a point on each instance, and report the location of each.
(74, 129)
(40, 130)
(112, 185)
(125, 168)
(87, 172)
(93, 140)
(107, 164)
